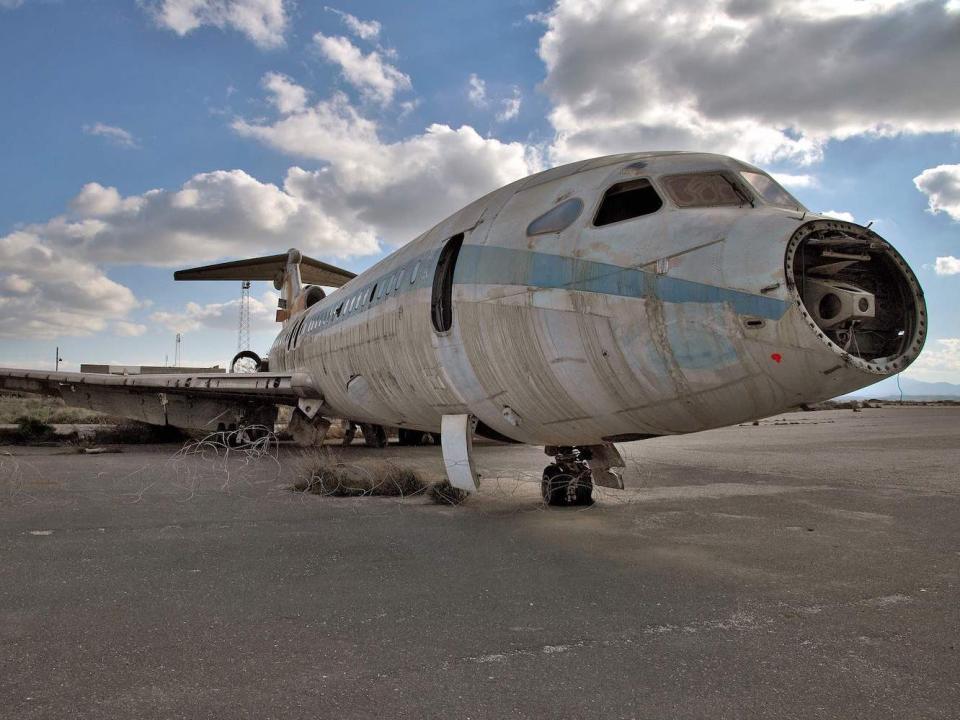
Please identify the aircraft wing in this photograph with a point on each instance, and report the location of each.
(244, 386)
(185, 400)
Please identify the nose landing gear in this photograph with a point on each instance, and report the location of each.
(568, 481)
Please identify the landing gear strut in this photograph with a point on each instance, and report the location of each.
(568, 480)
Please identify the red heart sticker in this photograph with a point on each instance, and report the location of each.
(776, 357)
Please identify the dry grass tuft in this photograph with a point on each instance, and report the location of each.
(443, 493)
(323, 473)
(45, 409)
(31, 430)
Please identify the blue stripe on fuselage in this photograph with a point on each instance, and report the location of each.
(486, 265)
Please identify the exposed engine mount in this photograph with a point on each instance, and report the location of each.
(858, 294)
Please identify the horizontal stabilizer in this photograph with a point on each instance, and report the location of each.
(313, 272)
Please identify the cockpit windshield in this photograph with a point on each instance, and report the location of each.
(710, 189)
(769, 190)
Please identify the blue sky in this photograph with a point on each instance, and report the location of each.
(139, 137)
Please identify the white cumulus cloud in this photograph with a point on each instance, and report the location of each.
(948, 265)
(212, 215)
(286, 96)
(941, 185)
(839, 215)
(939, 361)
(94, 200)
(51, 277)
(476, 91)
(263, 21)
(397, 189)
(757, 79)
(795, 181)
(219, 316)
(369, 73)
(124, 328)
(46, 293)
(510, 107)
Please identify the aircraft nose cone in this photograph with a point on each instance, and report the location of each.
(858, 296)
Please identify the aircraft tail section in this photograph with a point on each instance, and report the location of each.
(288, 273)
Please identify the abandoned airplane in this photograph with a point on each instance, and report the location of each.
(608, 300)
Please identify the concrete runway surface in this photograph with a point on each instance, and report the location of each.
(808, 567)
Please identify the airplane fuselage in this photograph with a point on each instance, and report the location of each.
(596, 326)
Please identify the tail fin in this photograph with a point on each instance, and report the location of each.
(271, 267)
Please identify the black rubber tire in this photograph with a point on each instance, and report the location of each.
(415, 438)
(374, 436)
(349, 433)
(584, 491)
(409, 438)
(553, 486)
(556, 490)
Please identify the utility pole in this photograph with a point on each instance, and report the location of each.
(243, 329)
(176, 352)
(58, 360)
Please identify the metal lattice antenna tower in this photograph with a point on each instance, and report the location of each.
(243, 329)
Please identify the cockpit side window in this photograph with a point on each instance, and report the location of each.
(556, 219)
(710, 189)
(770, 190)
(627, 200)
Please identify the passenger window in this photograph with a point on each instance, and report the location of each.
(556, 219)
(373, 291)
(704, 190)
(380, 291)
(441, 300)
(627, 200)
(399, 280)
(416, 271)
(339, 309)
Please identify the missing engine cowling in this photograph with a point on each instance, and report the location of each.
(857, 293)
